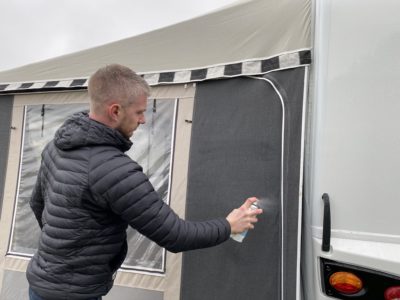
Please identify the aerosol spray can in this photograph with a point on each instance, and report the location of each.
(238, 237)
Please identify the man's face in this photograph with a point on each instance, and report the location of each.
(132, 116)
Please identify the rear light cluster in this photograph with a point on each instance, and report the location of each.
(344, 281)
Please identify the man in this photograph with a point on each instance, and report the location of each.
(88, 191)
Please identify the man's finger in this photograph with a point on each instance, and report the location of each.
(255, 212)
(249, 202)
(253, 220)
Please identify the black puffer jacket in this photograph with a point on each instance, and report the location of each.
(87, 193)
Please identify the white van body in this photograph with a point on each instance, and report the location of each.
(353, 147)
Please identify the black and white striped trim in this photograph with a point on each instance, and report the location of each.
(244, 68)
(44, 85)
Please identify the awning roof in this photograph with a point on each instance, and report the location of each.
(258, 33)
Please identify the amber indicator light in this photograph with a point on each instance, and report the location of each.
(346, 283)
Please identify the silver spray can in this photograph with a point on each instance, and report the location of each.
(238, 237)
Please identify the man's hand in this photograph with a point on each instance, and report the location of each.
(242, 218)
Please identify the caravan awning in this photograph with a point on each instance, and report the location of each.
(247, 38)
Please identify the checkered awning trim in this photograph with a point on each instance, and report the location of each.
(245, 68)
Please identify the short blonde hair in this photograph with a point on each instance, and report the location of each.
(115, 83)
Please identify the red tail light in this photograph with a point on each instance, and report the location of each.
(392, 293)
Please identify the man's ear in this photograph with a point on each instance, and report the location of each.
(113, 111)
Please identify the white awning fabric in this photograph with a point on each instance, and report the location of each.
(250, 37)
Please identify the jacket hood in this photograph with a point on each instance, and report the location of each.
(81, 131)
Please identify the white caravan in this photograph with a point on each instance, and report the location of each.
(352, 154)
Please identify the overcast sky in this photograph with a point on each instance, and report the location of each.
(34, 30)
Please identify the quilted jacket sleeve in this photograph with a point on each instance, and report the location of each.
(128, 192)
(37, 202)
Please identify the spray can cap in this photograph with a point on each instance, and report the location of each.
(254, 205)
